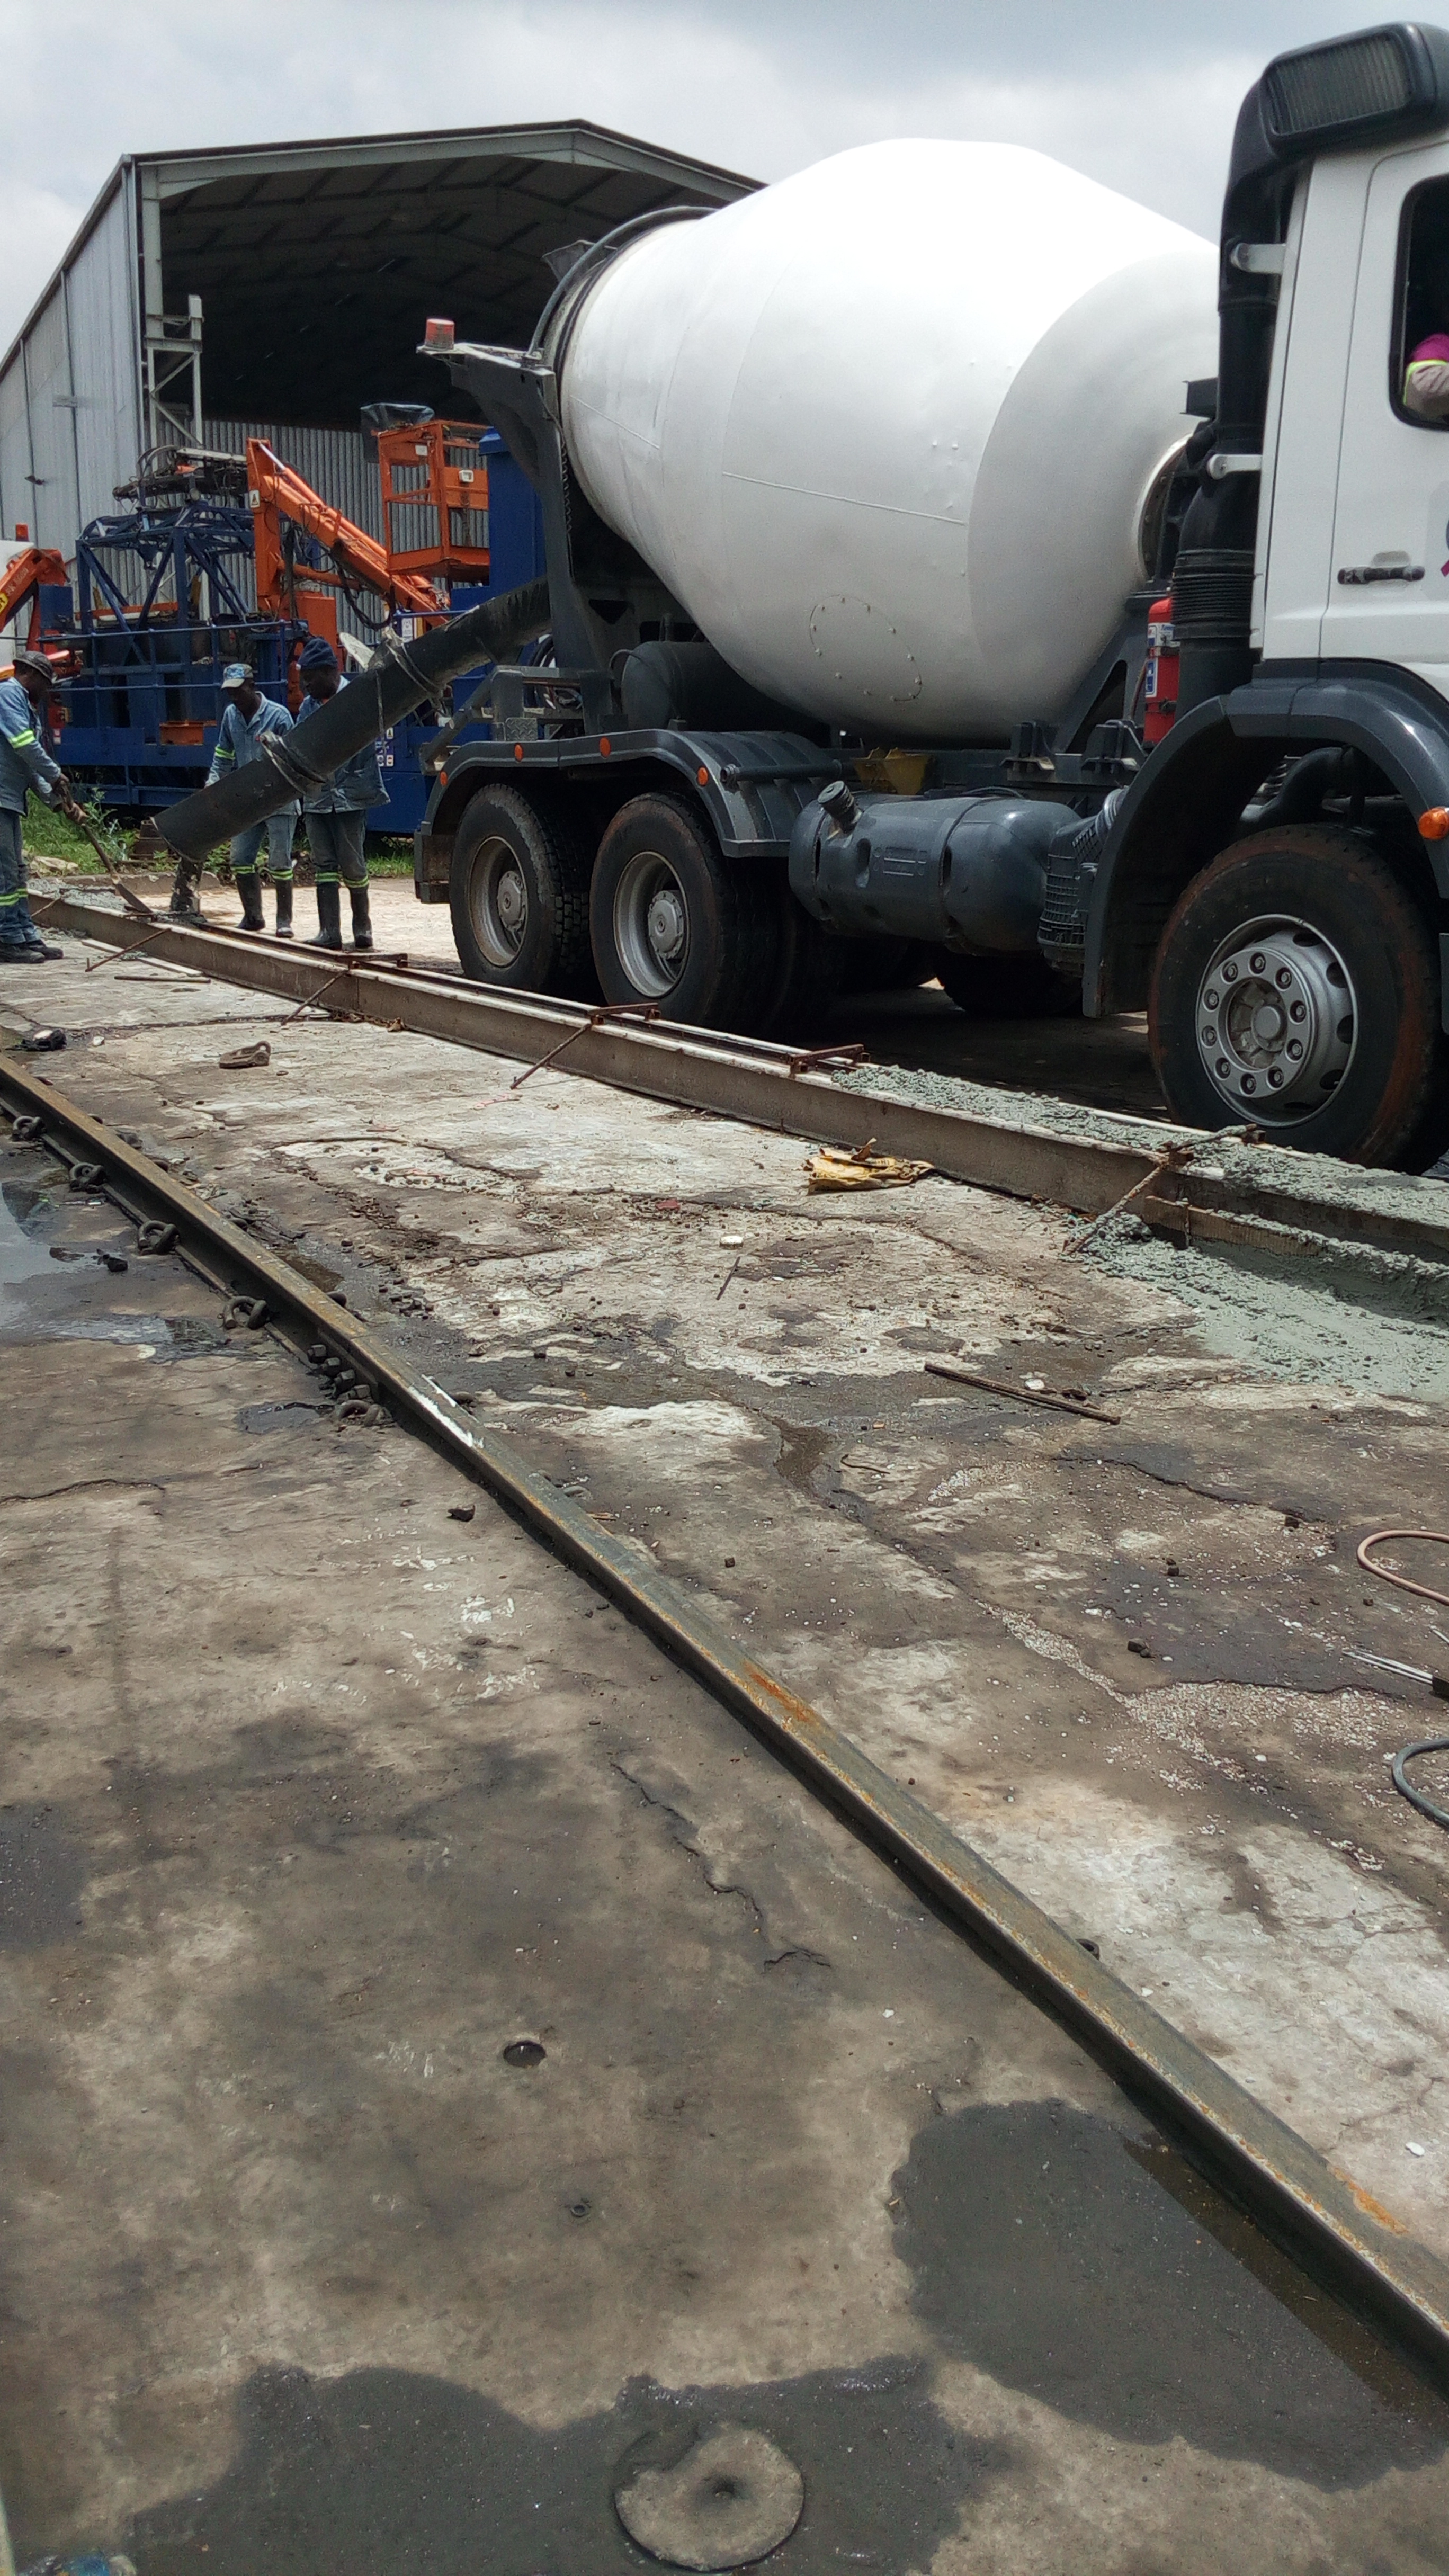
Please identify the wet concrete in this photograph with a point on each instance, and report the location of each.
(408, 2473)
(1047, 2251)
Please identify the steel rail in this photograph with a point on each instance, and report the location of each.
(772, 1087)
(1333, 2228)
(734, 1077)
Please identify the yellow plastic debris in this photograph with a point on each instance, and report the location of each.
(865, 1169)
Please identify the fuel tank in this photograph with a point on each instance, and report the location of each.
(890, 429)
(963, 872)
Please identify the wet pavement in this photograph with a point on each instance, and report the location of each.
(450, 2067)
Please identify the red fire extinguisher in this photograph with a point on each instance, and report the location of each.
(1159, 689)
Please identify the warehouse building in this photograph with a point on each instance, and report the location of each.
(272, 290)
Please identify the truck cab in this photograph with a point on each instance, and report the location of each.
(1269, 876)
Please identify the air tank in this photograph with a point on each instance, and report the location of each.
(888, 429)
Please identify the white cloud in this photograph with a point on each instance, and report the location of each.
(35, 225)
(1140, 93)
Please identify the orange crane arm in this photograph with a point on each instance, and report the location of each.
(275, 493)
(36, 569)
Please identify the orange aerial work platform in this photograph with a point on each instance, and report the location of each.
(279, 500)
(435, 499)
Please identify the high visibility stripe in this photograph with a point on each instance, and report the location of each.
(7, 899)
(20, 741)
(320, 879)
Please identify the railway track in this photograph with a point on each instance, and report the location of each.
(1323, 2221)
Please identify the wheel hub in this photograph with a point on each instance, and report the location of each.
(512, 901)
(666, 926)
(498, 902)
(651, 924)
(1276, 1019)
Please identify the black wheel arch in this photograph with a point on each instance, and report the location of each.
(1186, 803)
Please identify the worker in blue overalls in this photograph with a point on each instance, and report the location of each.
(24, 763)
(247, 718)
(336, 811)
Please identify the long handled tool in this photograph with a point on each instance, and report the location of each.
(77, 814)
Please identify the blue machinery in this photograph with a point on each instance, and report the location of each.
(163, 601)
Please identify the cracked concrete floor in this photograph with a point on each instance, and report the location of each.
(959, 1581)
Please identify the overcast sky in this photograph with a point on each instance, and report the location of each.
(1141, 93)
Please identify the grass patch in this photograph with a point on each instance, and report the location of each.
(48, 835)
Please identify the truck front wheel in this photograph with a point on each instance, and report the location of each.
(672, 923)
(1296, 988)
(519, 896)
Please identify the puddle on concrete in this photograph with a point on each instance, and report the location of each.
(41, 1878)
(276, 1417)
(1099, 2276)
(21, 1257)
(384, 2469)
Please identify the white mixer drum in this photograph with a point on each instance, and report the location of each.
(887, 429)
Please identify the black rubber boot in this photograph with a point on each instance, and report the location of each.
(361, 917)
(329, 916)
(284, 907)
(249, 887)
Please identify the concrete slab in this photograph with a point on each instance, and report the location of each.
(961, 1582)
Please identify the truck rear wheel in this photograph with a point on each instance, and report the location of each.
(519, 896)
(1296, 987)
(672, 923)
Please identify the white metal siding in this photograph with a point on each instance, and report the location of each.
(69, 429)
(16, 504)
(102, 303)
(46, 363)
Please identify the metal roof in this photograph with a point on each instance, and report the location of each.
(317, 263)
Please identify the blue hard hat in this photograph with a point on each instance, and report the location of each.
(236, 675)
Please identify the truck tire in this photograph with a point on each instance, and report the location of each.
(673, 923)
(1007, 988)
(1296, 986)
(807, 969)
(518, 891)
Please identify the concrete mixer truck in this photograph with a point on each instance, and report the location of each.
(949, 557)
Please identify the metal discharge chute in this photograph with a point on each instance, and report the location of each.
(399, 678)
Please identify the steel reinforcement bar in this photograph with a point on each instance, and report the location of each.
(793, 1094)
(1319, 2215)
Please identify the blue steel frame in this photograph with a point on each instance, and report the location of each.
(149, 661)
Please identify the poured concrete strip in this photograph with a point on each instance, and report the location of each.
(1327, 2222)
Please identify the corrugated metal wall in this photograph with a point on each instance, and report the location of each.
(339, 463)
(70, 393)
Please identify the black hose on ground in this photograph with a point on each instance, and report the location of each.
(400, 677)
(1406, 1789)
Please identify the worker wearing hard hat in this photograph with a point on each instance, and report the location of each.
(24, 764)
(336, 811)
(246, 720)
